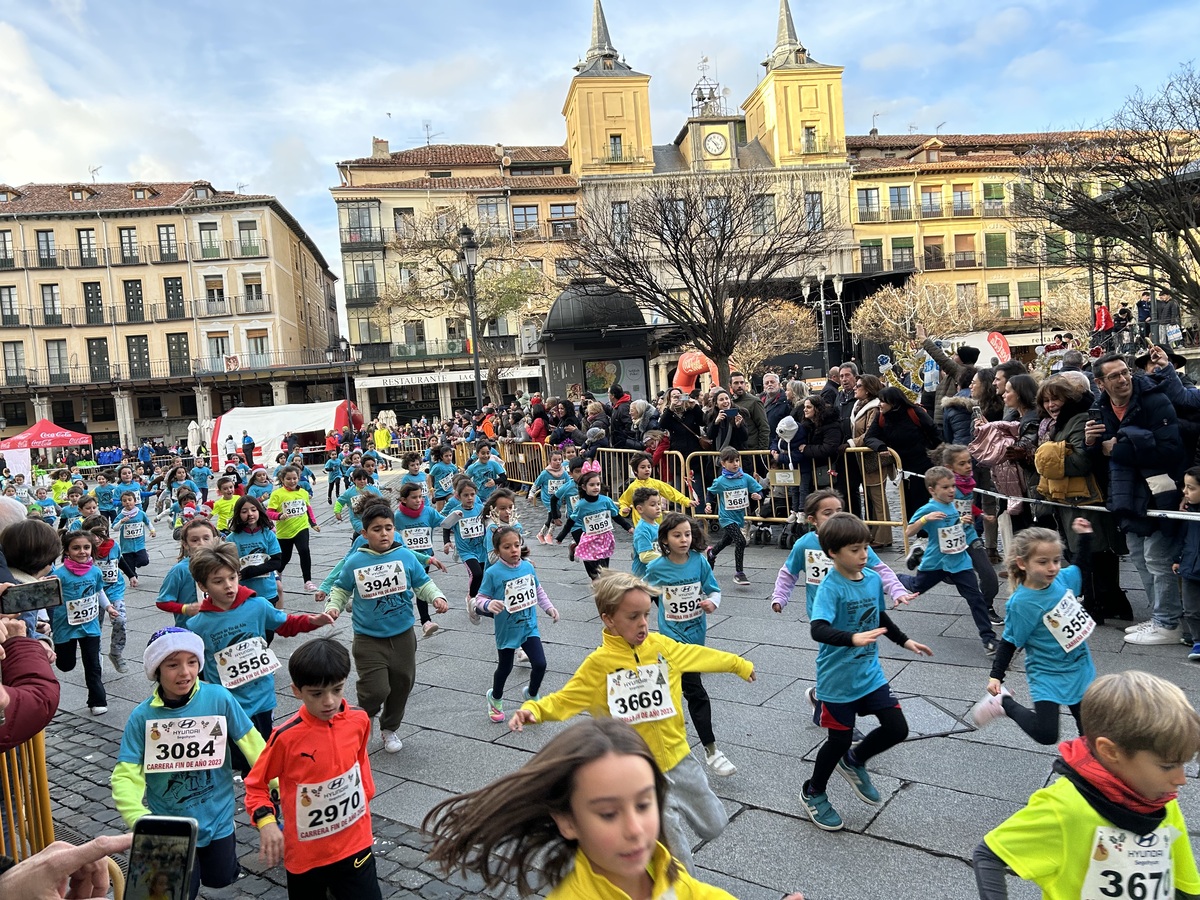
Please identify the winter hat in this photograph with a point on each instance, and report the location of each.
(786, 429)
(969, 355)
(594, 434)
(167, 641)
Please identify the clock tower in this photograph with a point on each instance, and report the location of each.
(708, 141)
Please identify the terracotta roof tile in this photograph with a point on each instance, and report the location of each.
(109, 196)
(912, 141)
(473, 183)
(463, 155)
(981, 161)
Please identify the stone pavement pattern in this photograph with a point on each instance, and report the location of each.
(942, 790)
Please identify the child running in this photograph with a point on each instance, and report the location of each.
(733, 491)
(469, 540)
(566, 498)
(360, 484)
(593, 517)
(583, 817)
(545, 486)
(648, 503)
(442, 472)
(642, 465)
(1043, 617)
(486, 472)
(179, 594)
(635, 676)
(1110, 826)
(688, 592)
(291, 505)
(108, 558)
(131, 525)
(415, 521)
(259, 555)
(500, 511)
(222, 505)
(412, 474)
(75, 623)
(848, 618)
(320, 751)
(511, 592)
(957, 459)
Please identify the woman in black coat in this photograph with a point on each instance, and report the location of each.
(565, 424)
(910, 431)
(683, 421)
(824, 438)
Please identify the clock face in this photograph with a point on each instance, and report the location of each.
(715, 143)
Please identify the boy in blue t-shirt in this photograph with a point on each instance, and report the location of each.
(648, 503)
(486, 472)
(946, 558)
(201, 474)
(733, 490)
(848, 619)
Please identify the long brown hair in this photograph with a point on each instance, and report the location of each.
(505, 832)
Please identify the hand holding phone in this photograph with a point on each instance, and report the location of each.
(162, 857)
(23, 598)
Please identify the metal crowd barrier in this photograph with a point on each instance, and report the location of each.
(28, 824)
(522, 462)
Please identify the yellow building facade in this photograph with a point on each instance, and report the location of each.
(128, 310)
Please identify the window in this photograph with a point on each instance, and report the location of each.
(439, 174)
(150, 408)
(1026, 249)
(562, 218)
(1022, 195)
(935, 252)
(762, 213)
(57, 362)
(45, 245)
(1052, 193)
(491, 212)
(810, 139)
(97, 349)
(104, 409)
(87, 246)
(76, 195)
(201, 193)
(93, 303)
(187, 405)
(14, 363)
(814, 210)
(367, 331)
(218, 345)
(252, 295)
(173, 291)
(210, 246)
(716, 216)
(9, 315)
(139, 193)
(1029, 293)
(214, 294)
(615, 150)
(525, 220)
(168, 248)
(871, 252)
(900, 201)
(966, 295)
(129, 248)
(258, 345)
(404, 219)
(536, 170)
(868, 205)
(248, 241)
(51, 305)
(620, 220)
(995, 250)
(932, 156)
(16, 413)
(456, 329)
(179, 360)
(964, 251)
(362, 220)
(993, 199)
(964, 200)
(931, 202)
(902, 253)
(1085, 247)
(6, 249)
(566, 269)
(137, 348)
(135, 305)
(998, 300)
(1056, 249)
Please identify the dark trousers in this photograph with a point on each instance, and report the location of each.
(593, 567)
(892, 730)
(968, 589)
(732, 534)
(132, 561)
(699, 706)
(248, 452)
(989, 584)
(1041, 722)
(262, 723)
(335, 489)
(216, 865)
(300, 543)
(352, 878)
(89, 650)
(504, 664)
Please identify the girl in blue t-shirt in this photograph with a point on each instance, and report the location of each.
(108, 560)
(333, 474)
(415, 521)
(259, 554)
(260, 485)
(500, 511)
(201, 474)
(511, 593)
(469, 540)
(442, 472)
(688, 591)
(1045, 618)
(76, 623)
(412, 474)
(549, 480)
(593, 517)
(130, 529)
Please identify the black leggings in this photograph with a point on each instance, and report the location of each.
(1041, 722)
(593, 567)
(300, 542)
(335, 487)
(699, 707)
(892, 730)
(130, 562)
(89, 652)
(732, 534)
(504, 665)
(216, 865)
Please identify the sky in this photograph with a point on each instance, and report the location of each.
(270, 94)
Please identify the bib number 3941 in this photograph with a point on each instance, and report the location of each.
(1069, 622)
(640, 695)
(329, 806)
(179, 745)
(1129, 866)
(380, 580)
(246, 661)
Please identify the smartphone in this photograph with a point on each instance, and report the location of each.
(23, 598)
(162, 858)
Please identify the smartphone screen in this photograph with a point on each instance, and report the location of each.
(161, 860)
(23, 598)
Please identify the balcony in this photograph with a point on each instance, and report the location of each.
(127, 256)
(366, 237)
(934, 261)
(869, 214)
(166, 252)
(16, 378)
(249, 246)
(15, 318)
(995, 209)
(7, 260)
(966, 259)
(45, 259)
(174, 311)
(964, 209)
(94, 315)
(213, 307)
(900, 213)
(362, 294)
(131, 314)
(822, 145)
(996, 260)
(252, 304)
(86, 258)
(932, 210)
(56, 318)
(202, 250)
(257, 362)
(626, 156)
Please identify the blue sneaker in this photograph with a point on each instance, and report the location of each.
(860, 781)
(528, 696)
(820, 810)
(1195, 654)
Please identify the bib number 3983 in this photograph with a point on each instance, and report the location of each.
(330, 806)
(179, 745)
(1069, 622)
(641, 695)
(246, 661)
(1129, 866)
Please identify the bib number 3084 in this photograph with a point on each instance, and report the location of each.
(1129, 866)
(177, 745)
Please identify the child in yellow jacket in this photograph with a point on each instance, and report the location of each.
(642, 465)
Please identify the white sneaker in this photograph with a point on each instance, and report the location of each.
(719, 763)
(472, 612)
(391, 741)
(1140, 626)
(98, 710)
(1154, 634)
(522, 656)
(990, 708)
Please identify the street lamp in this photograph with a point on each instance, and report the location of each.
(837, 290)
(470, 255)
(824, 315)
(341, 354)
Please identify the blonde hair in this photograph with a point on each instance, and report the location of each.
(1139, 711)
(1021, 547)
(611, 587)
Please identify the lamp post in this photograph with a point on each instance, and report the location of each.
(837, 290)
(340, 353)
(824, 316)
(470, 255)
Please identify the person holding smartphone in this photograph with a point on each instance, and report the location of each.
(29, 692)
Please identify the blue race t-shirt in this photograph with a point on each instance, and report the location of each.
(1031, 621)
(110, 573)
(948, 540)
(846, 674)
(222, 632)
(442, 474)
(681, 588)
(470, 531)
(481, 473)
(131, 530)
(255, 548)
(645, 538)
(383, 586)
(548, 484)
(83, 600)
(733, 498)
(417, 532)
(808, 562)
(515, 587)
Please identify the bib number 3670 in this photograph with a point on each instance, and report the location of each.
(1129, 866)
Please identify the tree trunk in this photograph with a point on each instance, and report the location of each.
(723, 370)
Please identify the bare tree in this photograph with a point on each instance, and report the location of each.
(1129, 191)
(701, 250)
(780, 328)
(891, 314)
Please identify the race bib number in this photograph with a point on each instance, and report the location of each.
(446, 483)
(180, 745)
(816, 566)
(83, 610)
(471, 528)
(23, 493)
(553, 485)
(963, 506)
(417, 538)
(738, 499)
(952, 539)
(519, 593)
(1129, 866)
(681, 602)
(252, 559)
(134, 529)
(108, 570)
(246, 661)
(597, 523)
(330, 806)
(293, 508)
(1069, 622)
(641, 695)
(380, 580)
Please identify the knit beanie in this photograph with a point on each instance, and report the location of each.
(167, 641)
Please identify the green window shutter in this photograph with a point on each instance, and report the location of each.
(1029, 290)
(871, 242)
(993, 192)
(902, 243)
(997, 290)
(996, 249)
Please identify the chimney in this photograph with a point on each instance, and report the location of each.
(379, 149)
(874, 132)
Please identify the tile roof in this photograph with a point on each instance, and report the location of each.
(473, 183)
(463, 155)
(912, 141)
(115, 196)
(972, 163)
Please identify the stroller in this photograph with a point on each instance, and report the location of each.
(786, 483)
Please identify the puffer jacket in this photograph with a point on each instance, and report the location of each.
(957, 412)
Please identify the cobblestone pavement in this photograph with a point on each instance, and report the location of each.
(942, 790)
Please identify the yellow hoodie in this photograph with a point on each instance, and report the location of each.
(584, 884)
(588, 687)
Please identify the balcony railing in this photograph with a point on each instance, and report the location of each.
(131, 313)
(249, 246)
(934, 261)
(202, 250)
(250, 362)
(966, 259)
(94, 315)
(45, 259)
(362, 294)
(624, 156)
(252, 304)
(8, 260)
(995, 209)
(55, 318)
(86, 258)
(15, 318)
(870, 214)
(964, 209)
(127, 256)
(364, 237)
(900, 213)
(167, 252)
(995, 260)
(175, 311)
(212, 307)
(932, 210)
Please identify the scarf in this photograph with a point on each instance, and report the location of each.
(1107, 794)
(77, 568)
(411, 513)
(105, 546)
(728, 474)
(965, 483)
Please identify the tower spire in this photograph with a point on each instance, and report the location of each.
(601, 42)
(788, 49)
